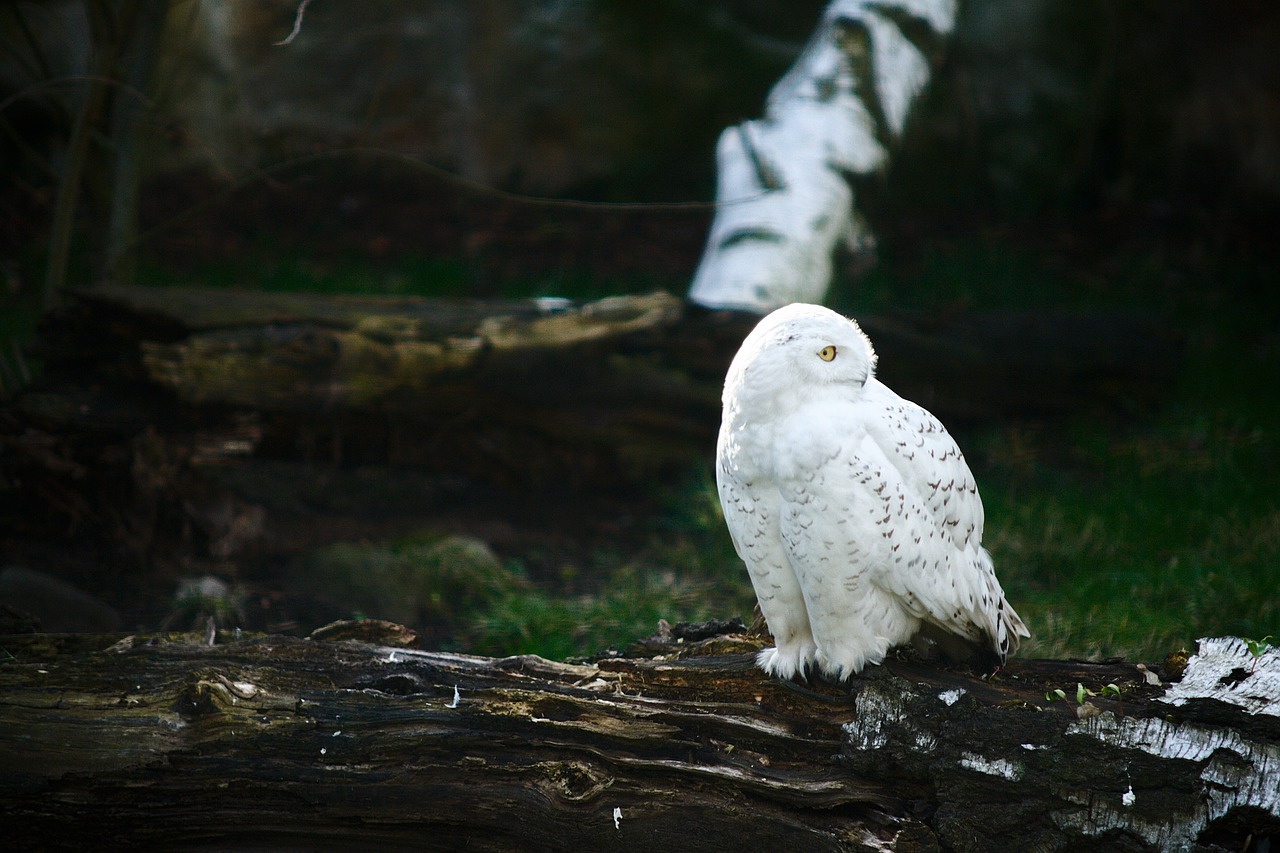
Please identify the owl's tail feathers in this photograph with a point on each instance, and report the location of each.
(1004, 625)
(1009, 629)
(985, 648)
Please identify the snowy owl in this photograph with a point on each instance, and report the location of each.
(856, 514)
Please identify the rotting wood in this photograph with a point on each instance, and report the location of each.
(163, 741)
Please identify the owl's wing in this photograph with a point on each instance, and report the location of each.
(930, 493)
(929, 462)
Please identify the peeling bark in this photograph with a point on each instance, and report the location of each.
(784, 201)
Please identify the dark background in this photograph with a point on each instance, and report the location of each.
(1066, 156)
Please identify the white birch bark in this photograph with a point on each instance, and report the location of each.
(783, 198)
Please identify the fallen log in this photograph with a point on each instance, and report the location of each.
(526, 392)
(308, 354)
(167, 741)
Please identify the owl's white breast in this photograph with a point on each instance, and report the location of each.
(793, 434)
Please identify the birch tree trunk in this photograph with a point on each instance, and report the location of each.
(784, 203)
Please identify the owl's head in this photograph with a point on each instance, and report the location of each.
(801, 346)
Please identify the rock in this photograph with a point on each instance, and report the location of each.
(58, 606)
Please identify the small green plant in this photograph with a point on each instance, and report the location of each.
(1084, 708)
(1257, 648)
(1057, 694)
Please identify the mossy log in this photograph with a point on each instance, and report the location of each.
(178, 742)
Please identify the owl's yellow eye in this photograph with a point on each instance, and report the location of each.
(827, 353)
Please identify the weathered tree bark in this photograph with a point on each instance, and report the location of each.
(164, 742)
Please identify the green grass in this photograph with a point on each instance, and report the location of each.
(687, 572)
(634, 597)
(466, 599)
(1111, 541)
(1124, 538)
(1152, 534)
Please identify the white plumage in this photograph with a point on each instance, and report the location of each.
(854, 510)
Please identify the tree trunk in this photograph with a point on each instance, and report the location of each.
(142, 26)
(784, 202)
(164, 741)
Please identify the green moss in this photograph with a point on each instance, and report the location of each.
(415, 583)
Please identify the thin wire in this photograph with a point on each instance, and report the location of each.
(266, 172)
(297, 25)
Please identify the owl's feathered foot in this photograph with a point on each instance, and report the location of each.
(788, 661)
